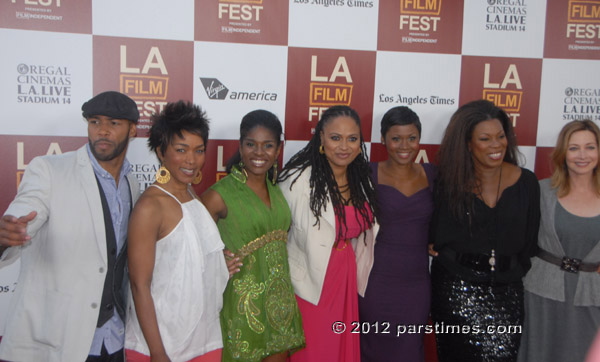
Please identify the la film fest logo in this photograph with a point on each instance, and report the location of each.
(337, 3)
(328, 87)
(506, 15)
(581, 103)
(149, 91)
(152, 72)
(139, 84)
(240, 16)
(506, 93)
(43, 84)
(419, 17)
(38, 10)
(53, 149)
(215, 90)
(323, 78)
(29, 147)
(583, 24)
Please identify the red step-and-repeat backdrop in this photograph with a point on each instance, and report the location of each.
(539, 60)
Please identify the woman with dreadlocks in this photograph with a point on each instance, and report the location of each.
(331, 238)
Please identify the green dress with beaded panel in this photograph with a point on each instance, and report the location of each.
(260, 316)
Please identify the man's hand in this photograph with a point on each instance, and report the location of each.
(13, 230)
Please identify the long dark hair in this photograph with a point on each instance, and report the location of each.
(456, 178)
(322, 181)
(256, 118)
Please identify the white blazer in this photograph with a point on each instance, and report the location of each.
(54, 311)
(309, 245)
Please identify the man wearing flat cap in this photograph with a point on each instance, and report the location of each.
(68, 224)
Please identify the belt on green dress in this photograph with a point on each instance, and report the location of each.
(258, 243)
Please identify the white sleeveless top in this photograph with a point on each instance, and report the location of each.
(188, 282)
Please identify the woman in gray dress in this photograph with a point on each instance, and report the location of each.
(562, 288)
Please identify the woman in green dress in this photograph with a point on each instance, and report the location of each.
(260, 319)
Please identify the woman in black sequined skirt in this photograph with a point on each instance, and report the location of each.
(484, 307)
(483, 233)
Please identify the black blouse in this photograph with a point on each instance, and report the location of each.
(510, 228)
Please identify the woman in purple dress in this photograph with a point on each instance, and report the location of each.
(395, 308)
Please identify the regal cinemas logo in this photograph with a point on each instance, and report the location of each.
(149, 91)
(506, 93)
(506, 15)
(420, 15)
(584, 19)
(43, 84)
(581, 103)
(145, 173)
(329, 90)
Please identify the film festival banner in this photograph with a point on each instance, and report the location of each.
(539, 60)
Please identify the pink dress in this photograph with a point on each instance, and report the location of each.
(212, 356)
(338, 303)
(593, 354)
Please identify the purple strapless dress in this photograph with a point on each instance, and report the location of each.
(399, 289)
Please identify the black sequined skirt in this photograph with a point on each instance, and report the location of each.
(475, 321)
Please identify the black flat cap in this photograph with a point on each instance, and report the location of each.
(111, 104)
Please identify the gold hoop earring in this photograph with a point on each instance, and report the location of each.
(322, 150)
(163, 175)
(239, 173)
(274, 178)
(198, 178)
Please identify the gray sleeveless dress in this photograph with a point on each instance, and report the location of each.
(560, 331)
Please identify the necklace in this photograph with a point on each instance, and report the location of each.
(480, 192)
(498, 189)
(343, 189)
(492, 260)
(337, 245)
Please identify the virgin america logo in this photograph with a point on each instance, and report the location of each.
(217, 90)
(213, 88)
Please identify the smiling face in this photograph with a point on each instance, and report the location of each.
(402, 143)
(108, 137)
(488, 144)
(259, 151)
(341, 141)
(582, 153)
(184, 157)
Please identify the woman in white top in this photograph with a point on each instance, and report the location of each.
(177, 268)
